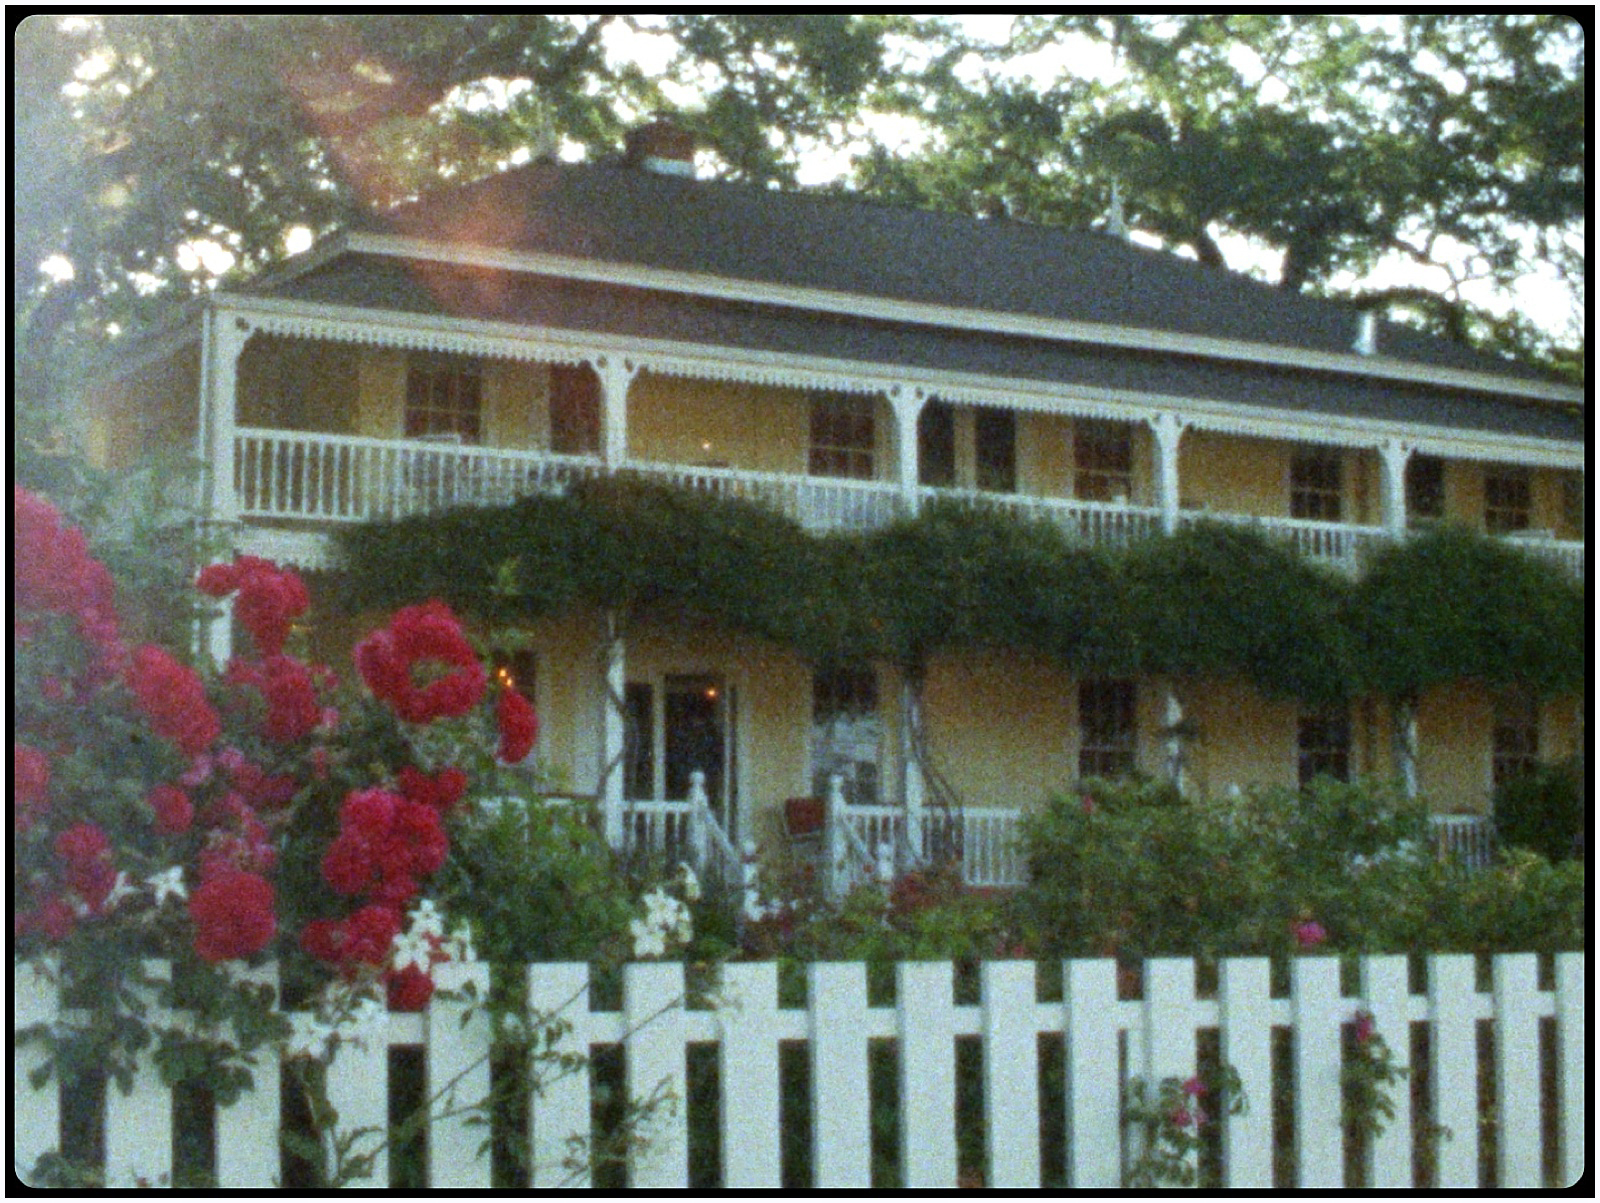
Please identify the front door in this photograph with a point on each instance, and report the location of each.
(680, 724)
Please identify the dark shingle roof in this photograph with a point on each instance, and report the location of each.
(847, 244)
(376, 281)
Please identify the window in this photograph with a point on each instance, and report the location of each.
(1325, 745)
(936, 445)
(1572, 516)
(995, 432)
(1102, 454)
(1425, 488)
(1507, 500)
(1108, 738)
(843, 437)
(444, 396)
(1516, 737)
(846, 733)
(1316, 484)
(574, 410)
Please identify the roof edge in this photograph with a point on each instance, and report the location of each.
(981, 321)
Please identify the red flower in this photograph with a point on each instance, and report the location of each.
(418, 636)
(1310, 934)
(367, 936)
(53, 573)
(55, 919)
(270, 598)
(82, 844)
(440, 791)
(292, 708)
(30, 785)
(519, 726)
(1365, 1025)
(409, 989)
(173, 810)
(233, 916)
(1194, 1088)
(171, 696)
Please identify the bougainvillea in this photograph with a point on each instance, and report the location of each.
(416, 638)
(519, 726)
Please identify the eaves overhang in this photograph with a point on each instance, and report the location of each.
(834, 303)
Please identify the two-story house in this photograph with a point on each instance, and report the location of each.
(845, 360)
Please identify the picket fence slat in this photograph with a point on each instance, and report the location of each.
(36, 1114)
(1010, 1073)
(1245, 1020)
(1572, 1091)
(558, 994)
(1516, 1052)
(247, 1131)
(1094, 1108)
(1385, 993)
(1453, 1050)
(927, 1075)
(748, 1061)
(139, 1122)
(458, 1076)
(657, 1069)
(1108, 1042)
(840, 1115)
(1318, 1010)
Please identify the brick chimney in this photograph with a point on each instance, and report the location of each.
(660, 146)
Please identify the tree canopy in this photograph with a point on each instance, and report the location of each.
(1329, 146)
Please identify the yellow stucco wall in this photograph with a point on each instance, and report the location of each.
(1234, 475)
(153, 409)
(672, 420)
(1454, 759)
(1242, 737)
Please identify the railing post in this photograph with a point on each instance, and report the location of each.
(836, 843)
(699, 815)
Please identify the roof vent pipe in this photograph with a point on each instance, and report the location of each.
(660, 146)
(1367, 334)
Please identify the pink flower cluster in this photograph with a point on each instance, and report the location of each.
(173, 700)
(52, 572)
(269, 598)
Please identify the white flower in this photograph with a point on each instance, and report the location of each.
(310, 1038)
(412, 948)
(426, 919)
(168, 884)
(459, 945)
(691, 883)
(120, 889)
(648, 939)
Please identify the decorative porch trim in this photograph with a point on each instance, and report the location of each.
(507, 340)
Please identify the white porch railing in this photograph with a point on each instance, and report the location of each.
(1340, 543)
(683, 831)
(302, 475)
(1108, 524)
(1468, 839)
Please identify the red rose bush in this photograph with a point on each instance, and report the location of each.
(160, 811)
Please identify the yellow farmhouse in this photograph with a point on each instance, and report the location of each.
(844, 362)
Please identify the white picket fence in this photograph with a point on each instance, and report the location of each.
(1107, 1041)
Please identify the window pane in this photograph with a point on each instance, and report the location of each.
(444, 396)
(1507, 500)
(1316, 485)
(996, 436)
(1425, 487)
(1102, 460)
(843, 437)
(1106, 728)
(574, 410)
(936, 445)
(1325, 745)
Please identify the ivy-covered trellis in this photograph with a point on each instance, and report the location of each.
(1208, 602)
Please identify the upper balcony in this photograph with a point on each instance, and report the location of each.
(316, 478)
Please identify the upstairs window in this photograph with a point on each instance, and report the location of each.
(1324, 745)
(444, 397)
(1316, 485)
(574, 410)
(843, 437)
(936, 445)
(1516, 737)
(1507, 500)
(1107, 734)
(995, 433)
(1102, 454)
(1425, 488)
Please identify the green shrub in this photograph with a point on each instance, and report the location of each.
(1542, 811)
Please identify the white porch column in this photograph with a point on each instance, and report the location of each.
(913, 792)
(226, 343)
(1172, 723)
(1394, 455)
(613, 703)
(615, 377)
(907, 403)
(1168, 430)
(1404, 719)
